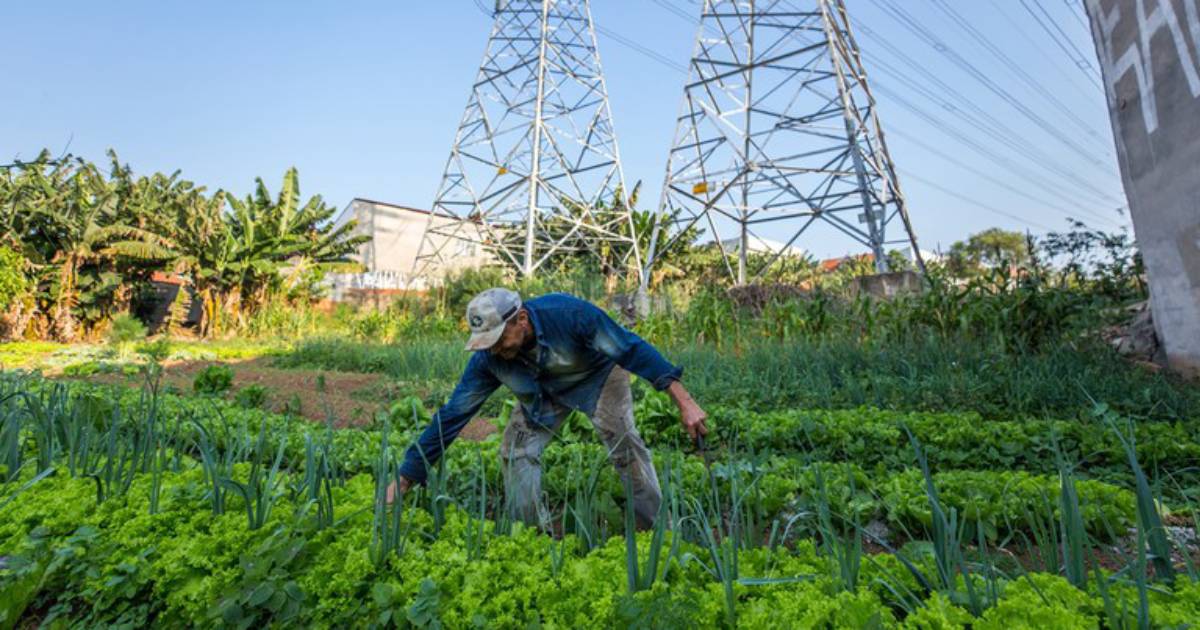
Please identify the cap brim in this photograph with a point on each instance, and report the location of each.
(486, 339)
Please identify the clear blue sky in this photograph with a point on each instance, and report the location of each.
(364, 97)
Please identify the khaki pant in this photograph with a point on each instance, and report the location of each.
(521, 456)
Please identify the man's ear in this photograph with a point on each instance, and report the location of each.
(523, 320)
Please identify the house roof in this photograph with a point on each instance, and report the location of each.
(345, 214)
(391, 205)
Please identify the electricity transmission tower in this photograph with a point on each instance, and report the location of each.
(534, 171)
(778, 139)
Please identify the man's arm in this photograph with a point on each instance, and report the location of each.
(473, 389)
(635, 354)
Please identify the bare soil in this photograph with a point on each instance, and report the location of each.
(351, 398)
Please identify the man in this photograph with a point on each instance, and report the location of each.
(557, 353)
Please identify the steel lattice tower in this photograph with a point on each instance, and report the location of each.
(778, 134)
(535, 154)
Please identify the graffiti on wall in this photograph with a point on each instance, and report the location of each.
(1136, 57)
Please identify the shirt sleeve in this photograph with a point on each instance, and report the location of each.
(625, 347)
(473, 389)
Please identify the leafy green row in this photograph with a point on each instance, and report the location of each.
(81, 564)
(871, 438)
(999, 501)
(959, 440)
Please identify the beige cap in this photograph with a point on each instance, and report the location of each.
(487, 314)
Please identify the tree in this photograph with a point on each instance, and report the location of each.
(91, 242)
(68, 218)
(990, 248)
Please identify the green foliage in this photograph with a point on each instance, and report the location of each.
(990, 248)
(265, 591)
(273, 558)
(252, 396)
(95, 240)
(213, 379)
(124, 331)
(118, 564)
(14, 281)
(1041, 601)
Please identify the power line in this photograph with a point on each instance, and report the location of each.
(1001, 8)
(1017, 70)
(973, 201)
(971, 113)
(995, 180)
(1005, 163)
(988, 125)
(1069, 48)
(675, 10)
(918, 28)
(629, 43)
(1071, 8)
(620, 39)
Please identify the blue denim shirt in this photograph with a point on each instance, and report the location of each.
(577, 346)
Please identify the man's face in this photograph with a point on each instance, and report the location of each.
(514, 337)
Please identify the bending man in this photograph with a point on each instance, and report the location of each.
(556, 353)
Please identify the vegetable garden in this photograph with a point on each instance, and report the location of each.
(973, 455)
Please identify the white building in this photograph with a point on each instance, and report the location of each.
(396, 234)
(759, 245)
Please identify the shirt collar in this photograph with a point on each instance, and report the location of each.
(537, 327)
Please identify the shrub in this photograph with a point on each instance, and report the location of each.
(293, 406)
(251, 396)
(124, 332)
(214, 379)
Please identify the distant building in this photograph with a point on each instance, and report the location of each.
(396, 233)
(760, 245)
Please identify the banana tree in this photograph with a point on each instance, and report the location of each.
(284, 240)
(72, 222)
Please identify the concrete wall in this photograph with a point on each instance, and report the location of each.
(1151, 65)
(888, 285)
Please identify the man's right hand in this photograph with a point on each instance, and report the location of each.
(403, 486)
